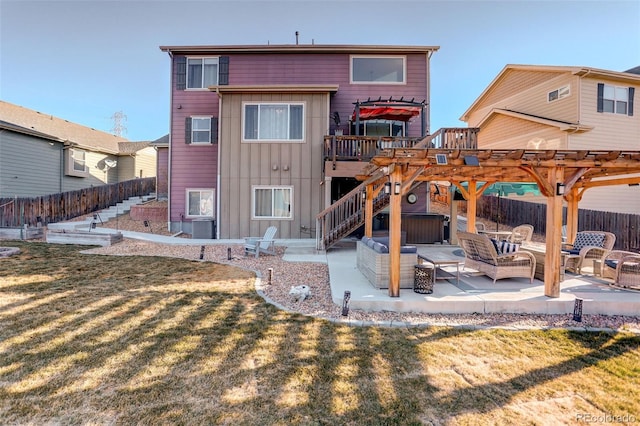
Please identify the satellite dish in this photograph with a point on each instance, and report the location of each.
(110, 163)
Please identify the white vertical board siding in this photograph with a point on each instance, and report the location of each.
(243, 165)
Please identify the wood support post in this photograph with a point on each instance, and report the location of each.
(395, 219)
(368, 211)
(553, 236)
(472, 206)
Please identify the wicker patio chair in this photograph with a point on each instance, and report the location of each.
(623, 267)
(588, 245)
(481, 254)
(521, 233)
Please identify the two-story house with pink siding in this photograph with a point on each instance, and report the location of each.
(274, 134)
(563, 108)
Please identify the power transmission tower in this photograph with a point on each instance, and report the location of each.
(119, 118)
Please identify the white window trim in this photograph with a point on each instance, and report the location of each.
(404, 69)
(616, 100)
(70, 170)
(253, 202)
(304, 111)
(186, 202)
(204, 88)
(563, 92)
(199, 117)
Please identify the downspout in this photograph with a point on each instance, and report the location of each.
(169, 156)
(217, 218)
(426, 118)
(61, 174)
(579, 104)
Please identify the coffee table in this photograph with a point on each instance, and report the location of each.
(439, 263)
(538, 250)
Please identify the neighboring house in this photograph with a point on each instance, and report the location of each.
(563, 108)
(41, 154)
(162, 167)
(250, 129)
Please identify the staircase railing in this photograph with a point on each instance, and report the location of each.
(345, 216)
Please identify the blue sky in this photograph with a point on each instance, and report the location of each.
(85, 60)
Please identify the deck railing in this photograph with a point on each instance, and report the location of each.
(364, 148)
(451, 138)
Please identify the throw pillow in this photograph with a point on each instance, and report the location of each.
(584, 239)
(507, 247)
(497, 245)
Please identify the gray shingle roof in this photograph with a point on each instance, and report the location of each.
(85, 137)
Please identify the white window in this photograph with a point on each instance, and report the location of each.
(273, 122)
(615, 99)
(378, 70)
(200, 202)
(202, 72)
(76, 160)
(272, 202)
(200, 130)
(560, 93)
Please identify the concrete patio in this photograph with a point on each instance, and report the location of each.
(475, 293)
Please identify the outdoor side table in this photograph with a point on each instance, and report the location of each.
(424, 277)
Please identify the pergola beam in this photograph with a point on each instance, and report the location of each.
(577, 170)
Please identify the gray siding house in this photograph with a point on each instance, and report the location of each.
(41, 154)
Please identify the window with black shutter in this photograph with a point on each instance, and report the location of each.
(615, 99)
(201, 130)
(181, 73)
(214, 129)
(223, 70)
(187, 130)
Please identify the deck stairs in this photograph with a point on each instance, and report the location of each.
(347, 214)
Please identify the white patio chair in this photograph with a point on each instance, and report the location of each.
(259, 245)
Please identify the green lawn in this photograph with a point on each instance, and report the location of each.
(88, 339)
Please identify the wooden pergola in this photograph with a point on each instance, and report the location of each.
(560, 175)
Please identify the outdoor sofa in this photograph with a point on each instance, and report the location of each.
(373, 262)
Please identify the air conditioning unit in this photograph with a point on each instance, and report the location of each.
(203, 229)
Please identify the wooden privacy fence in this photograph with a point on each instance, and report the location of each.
(512, 212)
(17, 212)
